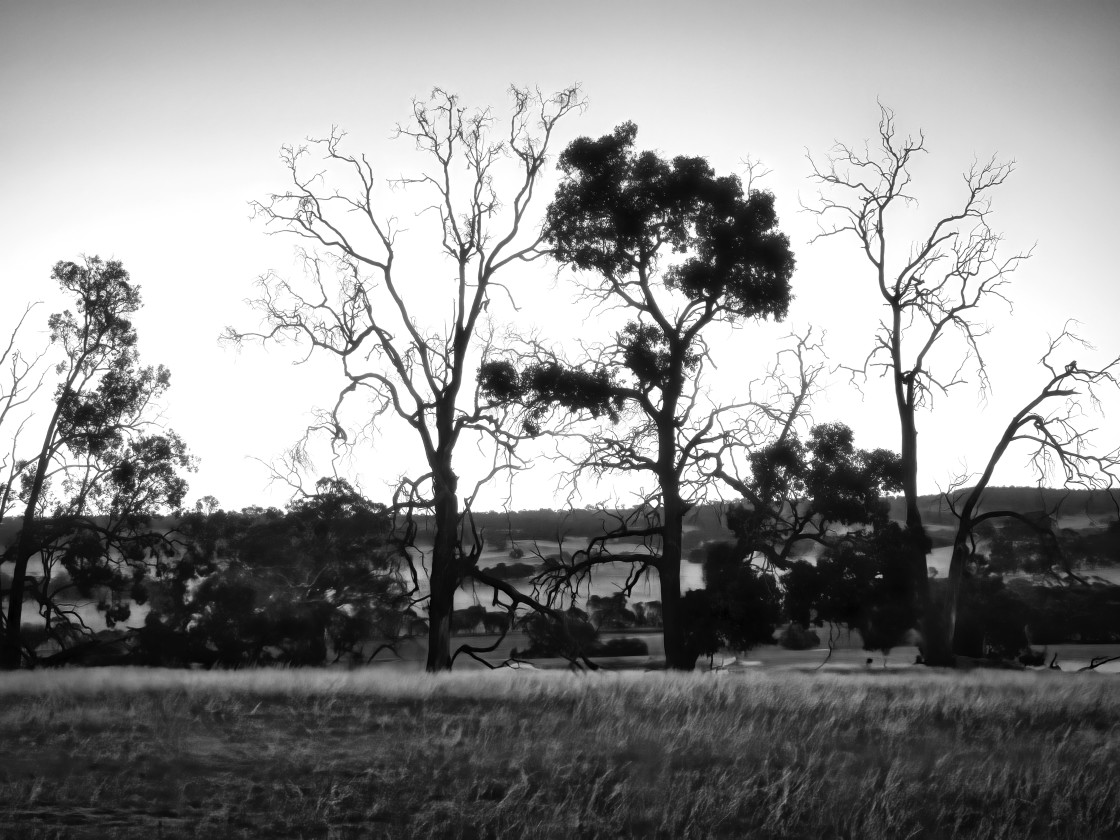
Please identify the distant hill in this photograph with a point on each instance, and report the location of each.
(1097, 504)
(705, 522)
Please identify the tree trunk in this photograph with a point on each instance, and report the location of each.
(952, 596)
(926, 618)
(445, 575)
(11, 649)
(677, 656)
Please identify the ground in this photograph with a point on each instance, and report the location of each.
(918, 753)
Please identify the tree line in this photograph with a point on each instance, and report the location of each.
(680, 253)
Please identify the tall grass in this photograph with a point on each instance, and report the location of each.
(117, 753)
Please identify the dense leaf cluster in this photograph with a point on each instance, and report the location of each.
(261, 586)
(540, 387)
(103, 469)
(616, 208)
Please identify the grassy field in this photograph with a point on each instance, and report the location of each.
(129, 753)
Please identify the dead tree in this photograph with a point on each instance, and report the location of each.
(23, 377)
(933, 287)
(1052, 427)
(359, 306)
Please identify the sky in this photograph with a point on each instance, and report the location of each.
(141, 130)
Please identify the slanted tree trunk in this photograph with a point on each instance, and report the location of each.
(11, 648)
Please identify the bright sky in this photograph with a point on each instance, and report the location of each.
(140, 131)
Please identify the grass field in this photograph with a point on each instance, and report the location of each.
(130, 753)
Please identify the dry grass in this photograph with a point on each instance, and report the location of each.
(325, 754)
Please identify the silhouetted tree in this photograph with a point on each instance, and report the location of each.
(932, 288)
(260, 586)
(822, 491)
(857, 583)
(359, 309)
(1053, 427)
(101, 470)
(739, 607)
(681, 249)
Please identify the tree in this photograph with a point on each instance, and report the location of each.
(857, 583)
(822, 491)
(269, 586)
(103, 466)
(679, 249)
(739, 607)
(359, 309)
(1052, 427)
(932, 288)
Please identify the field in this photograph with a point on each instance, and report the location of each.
(882, 754)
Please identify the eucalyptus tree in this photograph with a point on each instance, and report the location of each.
(678, 249)
(409, 350)
(933, 287)
(102, 467)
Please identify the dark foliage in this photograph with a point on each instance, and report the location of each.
(738, 609)
(511, 571)
(617, 205)
(539, 387)
(858, 584)
(1000, 618)
(573, 637)
(798, 637)
(610, 612)
(797, 488)
(265, 586)
(104, 468)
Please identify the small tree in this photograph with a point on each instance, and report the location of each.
(823, 491)
(358, 308)
(679, 249)
(826, 492)
(102, 467)
(933, 288)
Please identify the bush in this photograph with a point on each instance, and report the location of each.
(620, 647)
(796, 637)
(513, 571)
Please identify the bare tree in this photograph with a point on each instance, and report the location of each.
(1052, 427)
(358, 308)
(678, 249)
(24, 375)
(933, 288)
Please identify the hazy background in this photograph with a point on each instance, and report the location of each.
(140, 130)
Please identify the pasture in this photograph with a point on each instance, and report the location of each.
(368, 753)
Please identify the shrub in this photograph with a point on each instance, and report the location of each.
(796, 637)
